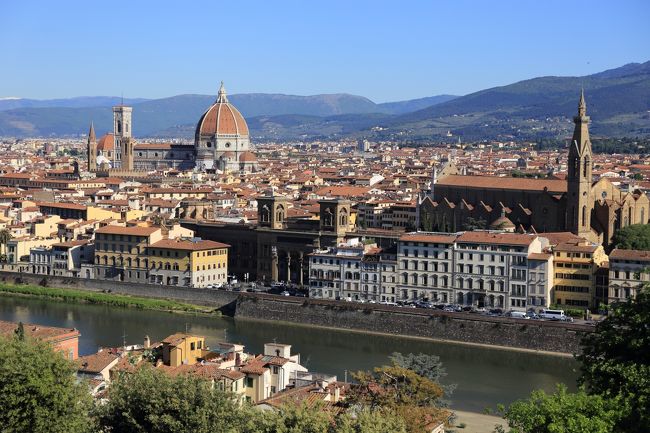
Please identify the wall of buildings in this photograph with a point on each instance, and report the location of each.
(466, 328)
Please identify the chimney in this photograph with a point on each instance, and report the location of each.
(237, 359)
(337, 394)
(147, 342)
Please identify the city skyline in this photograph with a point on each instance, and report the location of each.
(382, 53)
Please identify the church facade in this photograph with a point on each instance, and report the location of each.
(593, 210)
(221, 143)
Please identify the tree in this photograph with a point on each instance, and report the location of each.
(151, 401)
(316, 418)
(472, 224)
(5, 237)
(20, 331)
(561, 412)
(633, 237)
(615, 360)
(366, 421)
(38, 391)
(412, 397)
(428, 366)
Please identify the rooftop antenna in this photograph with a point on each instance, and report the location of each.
(186, 327)
(124, 338)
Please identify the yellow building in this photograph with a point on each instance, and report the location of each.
(576, 265)
(188, 262)
(178, 349)
(46, 226)
(121, 252)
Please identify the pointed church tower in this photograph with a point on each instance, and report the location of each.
(580, 202)
(91, 148)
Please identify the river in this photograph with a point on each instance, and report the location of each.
(484, 376)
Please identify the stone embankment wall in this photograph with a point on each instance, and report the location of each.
(212, 298)
(459, 327)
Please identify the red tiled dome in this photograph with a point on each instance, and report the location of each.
(222, 118)
(106, 143)
(247, 157)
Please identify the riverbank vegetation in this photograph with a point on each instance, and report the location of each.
(615, 381)
(111, 299)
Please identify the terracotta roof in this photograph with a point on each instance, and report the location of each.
(106, 143)
(75, 206)
(189, 245)
(621, 254)
(96, 362)
(247, 157)
(493, 182)
(177, 338)
(428, 237)
(45, 333)
(496, 238)
(119, 230)
(539, 256)
(575, 247)
(206, 371)
(222, 118)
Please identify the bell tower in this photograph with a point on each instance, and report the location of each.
(580, 203)
(91, 149)
(123, 150)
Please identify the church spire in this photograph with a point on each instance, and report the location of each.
(221, 97)
(91, 133)
(582, 105)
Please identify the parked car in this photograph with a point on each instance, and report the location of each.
(518, 315)
(285, 293)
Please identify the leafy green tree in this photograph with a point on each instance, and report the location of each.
(38, 391)
(20, 331)
(561, 412)
(401, 391)
(615, 361)
(5, 237)
(428, 366)
(633, 237)
(151, 401)
(367, 421)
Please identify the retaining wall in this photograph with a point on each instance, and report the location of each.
(434, 324)
(212, 298)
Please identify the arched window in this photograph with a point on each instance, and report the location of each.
(584, 168)
(119, 126)
(630, 215)
(265, 215)
(584, 216)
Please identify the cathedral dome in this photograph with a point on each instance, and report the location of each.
(247, 157)
(222, 119)
(502, 223)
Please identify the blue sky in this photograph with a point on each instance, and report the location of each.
(385, 50)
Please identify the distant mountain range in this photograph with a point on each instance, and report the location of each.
(618, 101)
(59, 117)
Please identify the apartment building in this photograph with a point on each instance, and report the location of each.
(492, 268)
(121, 252)
(629, 271)
(426, 267)
(188, 262)
(576, 266)
(483, 269)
